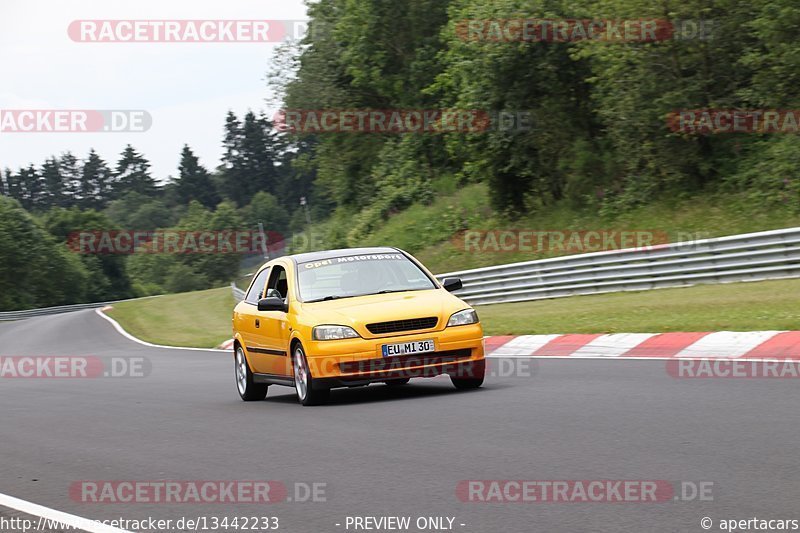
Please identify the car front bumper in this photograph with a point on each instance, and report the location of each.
(458, 350)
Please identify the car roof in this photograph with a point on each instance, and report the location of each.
(342, 252)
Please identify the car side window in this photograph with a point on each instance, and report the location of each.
(278, 281)
(257, 288)
(272, 293)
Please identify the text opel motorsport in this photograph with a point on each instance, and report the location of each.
(344, 318)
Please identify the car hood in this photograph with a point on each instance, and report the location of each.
(361, 310)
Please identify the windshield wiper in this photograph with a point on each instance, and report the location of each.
(388, 291)
(327, 298)
(331, 297)
(336, 296)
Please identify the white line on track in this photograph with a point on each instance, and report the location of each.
(128, 336)
(529, 338)
(65, 519)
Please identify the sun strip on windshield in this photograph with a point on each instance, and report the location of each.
(350, 259)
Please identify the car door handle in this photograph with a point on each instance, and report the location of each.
(258, 323)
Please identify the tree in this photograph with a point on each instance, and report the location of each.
(135, 211)
(53, 194)
(216, 266)
(29, 188)
(133, 175)
(70, 169)
(260, 153)
(233, 179)
(368, 55)
(109, 279)
(194, 181)
(265, 209)
(252, 152)
(35, 270)
(154, 273)
(96, 183)
(5, 178)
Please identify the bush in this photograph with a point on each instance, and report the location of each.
(35, 271)
(771, 174)
(181, 278)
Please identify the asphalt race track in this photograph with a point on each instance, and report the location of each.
(397, 452)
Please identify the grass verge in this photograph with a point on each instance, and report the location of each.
(751, 306)
(197, 319)
(430, 231)
(679, 218)
(203, 319)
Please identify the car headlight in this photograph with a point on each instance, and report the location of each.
(332, 333)
(462, 318)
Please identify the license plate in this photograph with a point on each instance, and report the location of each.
(406, 348)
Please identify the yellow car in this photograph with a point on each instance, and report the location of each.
(347, 318)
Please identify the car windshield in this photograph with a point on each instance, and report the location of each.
(359, 275)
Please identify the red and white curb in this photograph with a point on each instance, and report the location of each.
(720, 344)
(227, 345)
(699, 345)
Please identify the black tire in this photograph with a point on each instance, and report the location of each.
(304, 385)
(398, 382)
(470, 378)
(248, 390)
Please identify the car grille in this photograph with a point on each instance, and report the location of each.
(408, 324)
(400, 362)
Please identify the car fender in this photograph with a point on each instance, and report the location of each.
(237, 338)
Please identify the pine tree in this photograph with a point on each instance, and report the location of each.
(96, 183)
(258, 155)
(252, 149)
(29, 185)
(232, 176)
(69, 168)
(53, 194)
(133, 174)
(13, 188)
(194, 181)
(5, 177)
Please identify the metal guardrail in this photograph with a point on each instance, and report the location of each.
(748, 257)
(238, 293)
(29, 313)
(6, 316)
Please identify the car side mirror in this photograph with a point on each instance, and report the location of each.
(272, 303)
(452, 284)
